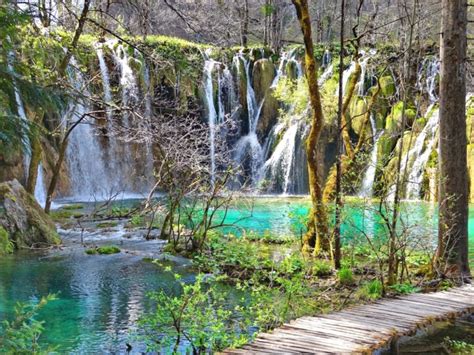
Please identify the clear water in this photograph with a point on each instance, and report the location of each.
(101, 297)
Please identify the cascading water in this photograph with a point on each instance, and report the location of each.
(427, 75)
(248, 147)
(89, 178)
(367, 187)
(212, 118)
(40, 190)
(421, 151)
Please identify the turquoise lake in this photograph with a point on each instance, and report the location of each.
(101, 297)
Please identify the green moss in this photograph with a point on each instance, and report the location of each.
(104, 250)
(76, 206)
(61, 214)
(387, 86)
(107, 224)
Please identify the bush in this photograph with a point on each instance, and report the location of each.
(20, 336)
(345, 276)
(404, 288)
(371, 290)
(6, 245)
(321, 268)
(197, 320)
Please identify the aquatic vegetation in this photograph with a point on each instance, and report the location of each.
(104, 250)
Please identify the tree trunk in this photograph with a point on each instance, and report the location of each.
(453, 200)
(79, 29)
(339, 206)
(318, 233)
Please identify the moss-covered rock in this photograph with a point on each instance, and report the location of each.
(357, 110)
(387, 86)
(104, 250)
(23, 218)
(262, 78)
(394, 120)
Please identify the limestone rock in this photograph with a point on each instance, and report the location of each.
(24, 219)
(262, 78)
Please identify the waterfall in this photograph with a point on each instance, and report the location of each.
(40, 190)
(285, 58)
(414, 162)
(421, 153)
(327, 58)
(367, 187)
(432, 72)
(281, 162)
(89, 178)
(363, 68)
(248, 146)
(279, 168)
(104, 72)
(426, 77)
(211, 113)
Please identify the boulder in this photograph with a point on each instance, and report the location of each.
(23, 218)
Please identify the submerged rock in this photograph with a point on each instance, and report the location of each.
(23, 218)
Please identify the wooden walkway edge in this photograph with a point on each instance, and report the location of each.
(362, 329)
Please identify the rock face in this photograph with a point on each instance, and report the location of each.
(263, 75)
(23, 218)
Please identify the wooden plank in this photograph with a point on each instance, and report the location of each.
(361, 329)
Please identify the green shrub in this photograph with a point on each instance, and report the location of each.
(6, 245)
(404, 288)
(345, 276)
(321, 268)
(458, 346)
(198, 319)
(20, 336)
(104, 250)
(371, 290)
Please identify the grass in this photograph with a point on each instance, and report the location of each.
(345, 276)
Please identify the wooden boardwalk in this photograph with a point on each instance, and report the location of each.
(364, 328)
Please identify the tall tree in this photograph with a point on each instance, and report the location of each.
(317, 236)
(453, 197)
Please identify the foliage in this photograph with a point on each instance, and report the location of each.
(104, 250)
(6, 245)
(21, 335)
(458, 346)
(404, 288)
(321, 268)
(197, 319)
(74, 206)
(345, 276)
(371, 290)
(273, 304)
